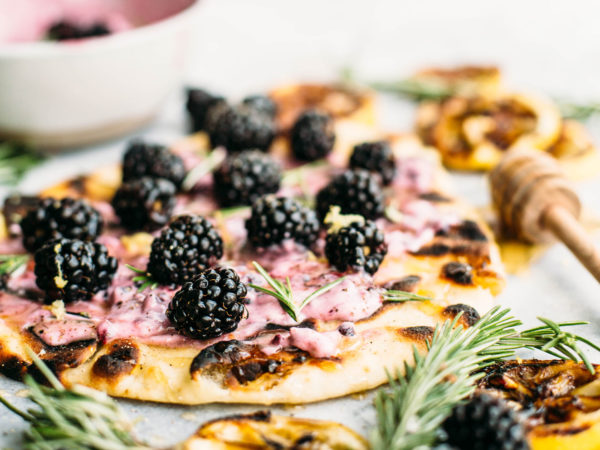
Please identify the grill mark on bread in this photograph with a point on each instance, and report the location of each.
(435, 197)
(419, 333)
(407, 283)
(469, 316)
(458, 272)
(122, 358)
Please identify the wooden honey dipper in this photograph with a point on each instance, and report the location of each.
(537, 204)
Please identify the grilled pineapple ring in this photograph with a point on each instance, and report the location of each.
(564, 394)
(462, 80)
(472, 133)
(264, 431)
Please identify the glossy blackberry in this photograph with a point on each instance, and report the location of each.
(245, 177)
(243, 128)
(63, 31)
(274, 219)
(105, 267)
(356, 246)
(212, 116)
(312, 136)
(64, 270)
(210, 305)
(144, 203)
(485, 422)
(142, 159)
(261, 103)
(55, 219)
(355, 192)
(375, 157)
(186, 247)
(198, 104)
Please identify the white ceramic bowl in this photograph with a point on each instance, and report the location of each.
(58, 95)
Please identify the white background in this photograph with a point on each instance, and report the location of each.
(242, 47)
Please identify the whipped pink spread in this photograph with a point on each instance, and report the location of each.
(125, 312)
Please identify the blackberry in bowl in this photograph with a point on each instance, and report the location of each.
(245, 177)
(312, 136)
(210, 305)
(189, 245)
(55, 219)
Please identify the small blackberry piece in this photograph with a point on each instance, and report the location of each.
(63, 31)
(355, 192)
(245, 177)
(142, 159)
(144, 203)
(356, 246)
(64, 270)
(487, 423)
(312, 136)
(262, 104)
(186, 247)
(274, 219)
(105, 267)
(54, 219)
(198, 103)
(210, 305)
(375, 157)
(243, 128)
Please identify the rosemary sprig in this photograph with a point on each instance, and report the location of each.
(15, 161)
(283, 291)
(422, 395)
(9, 264)
(416, 90)
(210, 163)
(392, 295)
(144, 278)
(577, 111)
(72, 418)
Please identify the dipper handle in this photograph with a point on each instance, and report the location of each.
(537, 204)
(568, 229)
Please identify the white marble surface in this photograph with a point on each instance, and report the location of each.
(243, 47)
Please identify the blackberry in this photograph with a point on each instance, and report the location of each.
(312, 136)
(199, 102)
(245, 177)
(63, 31)
(105, 267)
(210, 305)
(55, 219)
(485, 422)
(274, 219)
(142, 159)
(375, 157)
(355, 192)
(357, 246)
(243, 128)
(145, 203)
(186, 247)
(262, 104)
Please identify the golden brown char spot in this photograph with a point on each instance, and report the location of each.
(407, 283)
(12, 366)
(458, 272)
(121, 359)
(469, 316)
(560, 431)
(434, 197)
(420, 334)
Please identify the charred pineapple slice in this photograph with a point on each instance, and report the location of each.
(472, 133)
(564, 398)
(264, 431)
(341, 102)
(466, 81)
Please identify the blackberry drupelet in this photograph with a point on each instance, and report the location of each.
(274, 219)
(144, 203)
(355, 192)
(262, 104)
(487, 423)
(356, 246)
(64, 270)
(242, 128)
(63, 31)
(245, 177)
(198, 104)
(375, 157)
(210, 305)
(105, 267)
(55, 219)
(142, 159)
(312, 136)
(186, 247)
